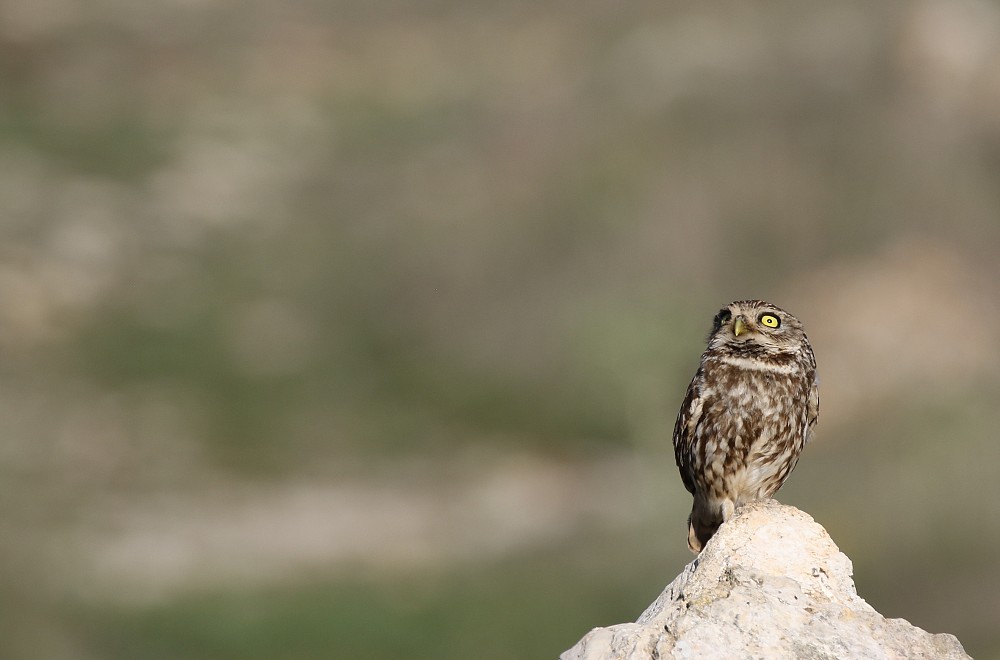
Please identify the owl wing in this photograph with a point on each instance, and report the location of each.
(684, 432)
(812, 411)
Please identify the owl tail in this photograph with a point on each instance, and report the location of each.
(702, 525)
(699, 532)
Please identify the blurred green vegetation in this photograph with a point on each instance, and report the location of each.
(385, 247)
(502, 610)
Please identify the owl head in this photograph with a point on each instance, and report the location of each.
(756, 326)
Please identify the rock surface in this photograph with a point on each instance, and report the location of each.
(770, 584)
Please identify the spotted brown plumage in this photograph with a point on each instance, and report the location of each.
(748, 412)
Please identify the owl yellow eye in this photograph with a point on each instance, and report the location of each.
(769, 320)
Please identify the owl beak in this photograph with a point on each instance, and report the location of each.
(740, 326)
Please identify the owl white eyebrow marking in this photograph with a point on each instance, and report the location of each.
(757, 365)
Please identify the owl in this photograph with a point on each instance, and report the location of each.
(748, 412)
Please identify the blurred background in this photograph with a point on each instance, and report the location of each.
(358, 329)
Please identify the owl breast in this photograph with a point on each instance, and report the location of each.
(750, 432)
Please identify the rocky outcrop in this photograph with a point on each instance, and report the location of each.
(770, 584)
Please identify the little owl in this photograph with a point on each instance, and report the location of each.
(748, 411)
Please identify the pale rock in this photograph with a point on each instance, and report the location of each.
(770, 584)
